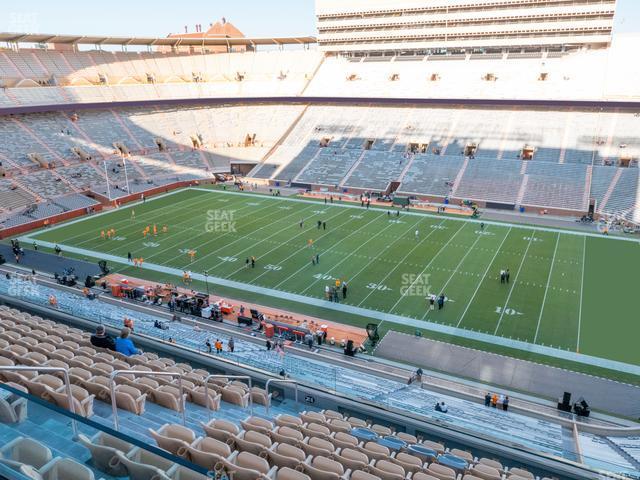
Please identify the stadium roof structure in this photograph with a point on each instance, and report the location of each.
(150, 41)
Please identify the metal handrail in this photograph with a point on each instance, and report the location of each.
(237, 377)
(142, 373)
(279, 380)
(67, 382)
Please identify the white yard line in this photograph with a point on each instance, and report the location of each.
(483, 277)
(584, 251)
(138, 219)
(243, 238)
(546, 290)
(350, 254)
(478, 221)
(175, 232)
(378, 315)
(303, 232)
(425, 268)
(331, 248)
(398, 264)
(515, 280)
(107, 212)
(469, 250)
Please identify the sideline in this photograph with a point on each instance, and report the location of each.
(379, 315)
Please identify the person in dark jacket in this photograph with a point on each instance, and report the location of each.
(101, 339)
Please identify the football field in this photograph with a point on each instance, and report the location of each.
(567, 290)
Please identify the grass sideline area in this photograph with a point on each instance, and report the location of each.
(568, 290)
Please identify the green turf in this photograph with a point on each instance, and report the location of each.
(569, 291)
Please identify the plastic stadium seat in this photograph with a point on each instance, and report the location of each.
(168, 397)
(17, 377)
(144, 384)
(69, 345)
(260, 397)
(283, 455)
(375, 451)
(185, 367)
(26, 342)
(438, 447)
(462, 454)
(258, 424)
(104, 449)
(360, 475)
(41, 385)
(352, 459)
(197, 396)
(317, 446)
(485, 472)
(82, 400)
(100, 387)
(81, 361)
(469, 476)
(382, 430)
(332, 414)
(206, 452)
(520, 472)
(286, 473)
(103, 357)
(87, 351)
(246, 466)
(57, 364)
(410, 463)
(220, 429)
(313, 417)
(130, 399)
(236, 396)
(423, 476)
(141, 465)
(14, 352)
(64, 469)
(101, 368)
(407, 437)
(252, 442)
(27, 451)
(10, 337)
(344, 440)
(441, 472)
(78, 376)
(286, 435)
(336, 425)
(32, 359)
(178, 472)
(289, 421)
(387, 470)
(316, 430)
(62, 355)
(13, 408)
(357, 422)
(323, 468)
(491, 463)
(172, 437)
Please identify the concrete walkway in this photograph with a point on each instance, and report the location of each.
(510, 373)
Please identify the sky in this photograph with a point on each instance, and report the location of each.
(158, 18)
